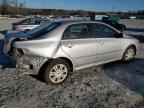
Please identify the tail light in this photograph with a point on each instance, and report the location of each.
(19, 52)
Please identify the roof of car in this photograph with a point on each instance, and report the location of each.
(76, 21)
(70, 22)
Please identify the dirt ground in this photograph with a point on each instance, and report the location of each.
(113, 85)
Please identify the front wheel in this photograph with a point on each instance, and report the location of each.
(129, 54)
(56, 72)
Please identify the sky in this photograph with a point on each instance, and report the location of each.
(89, 5)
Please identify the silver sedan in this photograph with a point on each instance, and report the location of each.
(28, 23)
(58, 48)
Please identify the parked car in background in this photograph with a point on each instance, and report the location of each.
(118, 26)
(28, 24)
(56, 49)
(132, 17)
(31, 23)
(110, 20)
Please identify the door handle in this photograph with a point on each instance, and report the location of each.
(98, 42)
(69, 45)
(101, 43)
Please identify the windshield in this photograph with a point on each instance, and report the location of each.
(42, 29)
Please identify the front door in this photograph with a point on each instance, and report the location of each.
(109, 47)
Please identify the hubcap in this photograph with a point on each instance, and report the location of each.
(129, 54)
(58, 73)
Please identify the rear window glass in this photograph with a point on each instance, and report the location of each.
(32, 21)
(43, 29)
(44, 21)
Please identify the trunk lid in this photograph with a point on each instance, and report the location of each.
(10, 37)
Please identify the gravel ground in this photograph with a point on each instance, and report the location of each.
(113, 85)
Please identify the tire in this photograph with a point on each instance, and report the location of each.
(129, 54)
(56, 72)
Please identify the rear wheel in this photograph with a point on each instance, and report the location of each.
(129, 54)
(56, 72)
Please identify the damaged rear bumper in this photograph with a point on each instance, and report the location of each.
(29, 65)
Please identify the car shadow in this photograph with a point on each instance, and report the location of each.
(129, 74)
(135, 29)
(5, 61)
(37, 77)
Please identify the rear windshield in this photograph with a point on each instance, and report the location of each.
(42, 29)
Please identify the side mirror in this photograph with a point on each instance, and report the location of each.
(119, 35)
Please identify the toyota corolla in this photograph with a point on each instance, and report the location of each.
(55, 49)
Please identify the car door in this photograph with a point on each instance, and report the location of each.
(109, 46)
(78, 43)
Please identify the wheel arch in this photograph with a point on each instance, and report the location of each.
(133, 46)
(43, 67)
(128, 47)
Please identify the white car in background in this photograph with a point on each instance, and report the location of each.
(31, 23)
(28, 24)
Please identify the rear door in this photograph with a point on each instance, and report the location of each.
(78, 43)
(109, 47)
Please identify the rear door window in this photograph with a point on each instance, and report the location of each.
(77, 31)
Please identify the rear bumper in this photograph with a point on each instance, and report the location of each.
(29, 65)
